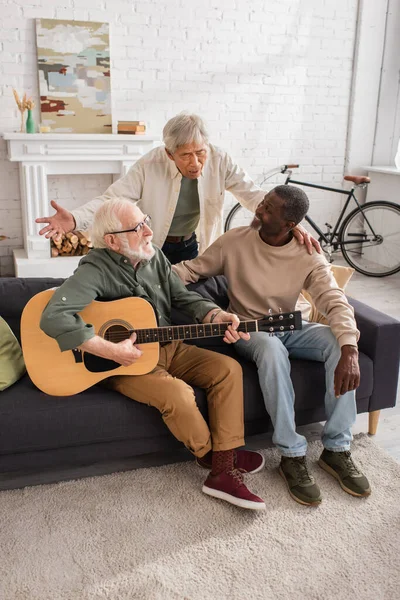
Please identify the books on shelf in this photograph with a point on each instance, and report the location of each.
(131, 123)
(132, 127)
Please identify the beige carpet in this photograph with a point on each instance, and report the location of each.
(152, 535)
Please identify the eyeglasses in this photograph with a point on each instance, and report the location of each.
(139, 226)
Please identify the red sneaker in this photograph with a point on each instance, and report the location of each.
(245, 460)
(229, 486)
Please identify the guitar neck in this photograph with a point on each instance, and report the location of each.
(188, 332)
(271, 324)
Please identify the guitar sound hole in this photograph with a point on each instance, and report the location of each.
(95, 364)
(116, 333)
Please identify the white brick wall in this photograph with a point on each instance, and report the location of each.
(272, 79)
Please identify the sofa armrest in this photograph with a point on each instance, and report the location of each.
(380, 341)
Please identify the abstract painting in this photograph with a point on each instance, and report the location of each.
(74, 75)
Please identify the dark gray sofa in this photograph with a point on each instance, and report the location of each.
(45, 438)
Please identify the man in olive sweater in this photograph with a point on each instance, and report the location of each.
(267, 269)
(124, 263)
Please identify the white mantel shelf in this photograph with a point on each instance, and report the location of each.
(14, 135)
(43, 154)
(385, 183)
(383, 169)
(53, 147)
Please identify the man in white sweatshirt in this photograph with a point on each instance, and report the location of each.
(267, 269)
(181, 185)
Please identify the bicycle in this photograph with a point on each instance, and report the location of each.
(368, 237)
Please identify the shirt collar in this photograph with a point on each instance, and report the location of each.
(118, 258)
(173, 169)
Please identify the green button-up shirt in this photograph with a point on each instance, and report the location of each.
(106, 275)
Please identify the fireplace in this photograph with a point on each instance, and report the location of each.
(43, 154)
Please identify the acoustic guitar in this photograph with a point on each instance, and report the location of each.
(70, 372)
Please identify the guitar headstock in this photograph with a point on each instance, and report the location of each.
(280, 322)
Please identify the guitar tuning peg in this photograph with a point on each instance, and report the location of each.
(270, 311)
(279, 310)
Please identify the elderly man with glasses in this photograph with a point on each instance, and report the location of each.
(125, 263)
(182, 185)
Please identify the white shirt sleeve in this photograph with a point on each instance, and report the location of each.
(130, 186)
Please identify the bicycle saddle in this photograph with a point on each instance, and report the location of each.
(357, 179)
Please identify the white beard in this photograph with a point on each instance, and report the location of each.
(137, 255)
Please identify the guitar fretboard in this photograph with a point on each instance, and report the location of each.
(185, 332)
(181, 332)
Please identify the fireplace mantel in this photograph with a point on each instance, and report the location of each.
(43, 154)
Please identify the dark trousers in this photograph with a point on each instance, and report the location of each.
(176, 252)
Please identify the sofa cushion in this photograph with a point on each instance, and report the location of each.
(306, 304)
(31, 420)
(15, 293)
(214, 289)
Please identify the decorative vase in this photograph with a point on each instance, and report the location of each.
(30, 124)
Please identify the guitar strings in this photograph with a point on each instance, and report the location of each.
(177, 332)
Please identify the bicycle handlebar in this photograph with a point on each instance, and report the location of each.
(281, 169)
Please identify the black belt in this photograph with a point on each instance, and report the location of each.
(175, 239)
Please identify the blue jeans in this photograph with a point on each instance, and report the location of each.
(175, 252)
(271, 355)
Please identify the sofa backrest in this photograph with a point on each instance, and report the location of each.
(213, 288)
(15, 293)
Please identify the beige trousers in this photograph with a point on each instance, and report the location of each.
(167, 388)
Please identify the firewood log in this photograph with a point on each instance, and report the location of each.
(82, 238)
(66, 247)
(73, 238)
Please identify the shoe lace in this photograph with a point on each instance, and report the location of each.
(237, 476)
(301, 468)
(351, 468)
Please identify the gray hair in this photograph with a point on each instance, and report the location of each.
(296, 203)
(184, 129)
(106, 219)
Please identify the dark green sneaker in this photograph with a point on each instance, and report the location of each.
(300, 483)
(342, 467)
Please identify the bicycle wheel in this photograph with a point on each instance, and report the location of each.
(370, 239)
(238, 216)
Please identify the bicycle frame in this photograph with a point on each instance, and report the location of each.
(328, 238)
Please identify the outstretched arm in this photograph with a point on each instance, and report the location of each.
(58, 224)
(130, 186)
(209, 264)
(63, 221)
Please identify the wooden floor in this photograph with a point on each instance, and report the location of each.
(382, 293)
